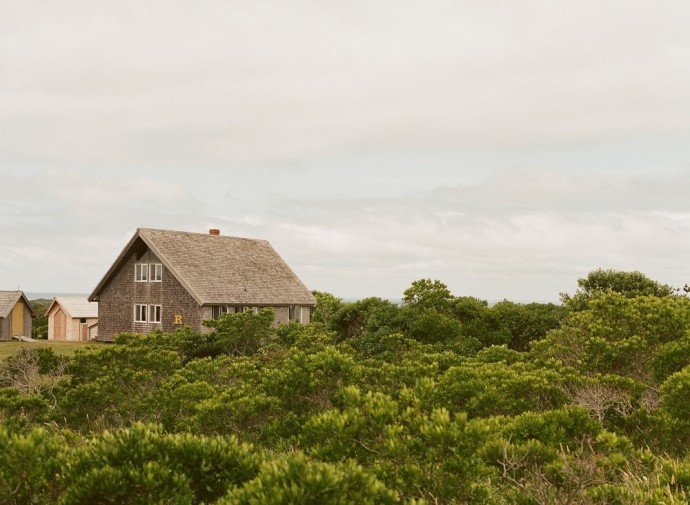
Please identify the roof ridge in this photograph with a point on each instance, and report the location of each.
(183, 232)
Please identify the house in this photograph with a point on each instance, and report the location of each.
(72, 319)
(15, 315)
(166, 279)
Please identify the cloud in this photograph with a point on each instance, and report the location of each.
(232, 84)
(505, 148)
(526, 236)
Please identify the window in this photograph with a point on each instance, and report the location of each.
(156, 271)
(144, 272)
(155, 313)
(141, 272)
(140, 313)
(147, 313)
(82, 320)
(218, 310)
(295, 313)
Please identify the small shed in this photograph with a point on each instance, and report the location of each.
(16, 315)
(73, 319)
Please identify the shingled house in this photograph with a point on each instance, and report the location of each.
(15, 315)
(169, 279)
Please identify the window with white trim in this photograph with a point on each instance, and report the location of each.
(155, 312)
(141, 272)
(156, 272)
(140, 313)
(218, 310)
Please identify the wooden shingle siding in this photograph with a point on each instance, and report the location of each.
(117, 300)
(199, 271)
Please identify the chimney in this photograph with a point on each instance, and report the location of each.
(214, 231)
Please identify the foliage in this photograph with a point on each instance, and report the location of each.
(486, 389)
(142, 465)
(425, 294)
(527, 323)
(28, 465)
(297, 479)
(675, 392)
(627, 284)
(110, 387)
(617, 334)
(432, 327)
(371, 315)
(326, 307)
(671, 357)
(39, 325)
(244, 332)
(31, 370)
(443, 399)
(421, 455)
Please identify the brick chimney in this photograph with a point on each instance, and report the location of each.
(214, 231)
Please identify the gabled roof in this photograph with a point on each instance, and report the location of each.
(218, 269)
(75, 307)
(8, 299)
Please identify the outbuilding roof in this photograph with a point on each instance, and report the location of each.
(8, 299)
(219, 269)
(75, 307)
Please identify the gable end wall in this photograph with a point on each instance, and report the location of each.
(117, 299)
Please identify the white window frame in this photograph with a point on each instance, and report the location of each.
(155, 314)
(140, 310)
(141, 272)
(218, 310)
(156, 272)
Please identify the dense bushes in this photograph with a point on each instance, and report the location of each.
(374, 402)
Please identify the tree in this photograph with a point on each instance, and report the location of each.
(432, 327)
(527, 323)
(675, 391)
(425, 294)
(142, 465)
(618, 334)
(244, 332)
(468, 308)
(326, 306)
(628, 284)
(297, 479)
(370, 315)
(39, 326)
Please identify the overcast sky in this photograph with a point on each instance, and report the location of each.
(504, 147)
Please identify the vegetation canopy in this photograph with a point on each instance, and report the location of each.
(441, 399)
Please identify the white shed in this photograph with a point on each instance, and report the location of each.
(72, 319)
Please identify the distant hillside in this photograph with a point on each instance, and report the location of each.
(49, 296)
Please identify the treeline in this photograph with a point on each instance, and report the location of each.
(440, 400)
